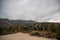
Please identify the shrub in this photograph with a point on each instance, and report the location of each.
(53, 29)
(35, 33)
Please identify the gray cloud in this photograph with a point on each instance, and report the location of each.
(42, 10)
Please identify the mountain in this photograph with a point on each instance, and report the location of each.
(16, 22)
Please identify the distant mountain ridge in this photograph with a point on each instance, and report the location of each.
(18, 22)
(15, 22)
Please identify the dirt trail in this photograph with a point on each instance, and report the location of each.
(22, 36)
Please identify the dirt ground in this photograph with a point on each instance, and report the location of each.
(22, 36)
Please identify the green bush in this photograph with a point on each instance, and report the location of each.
(35, 33)
(53, 29)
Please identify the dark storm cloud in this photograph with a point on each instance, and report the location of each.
(42, 10)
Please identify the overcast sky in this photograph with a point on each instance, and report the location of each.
(38, 10)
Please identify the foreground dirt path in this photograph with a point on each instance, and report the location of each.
(22, 36)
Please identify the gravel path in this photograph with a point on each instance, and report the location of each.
(22, 36)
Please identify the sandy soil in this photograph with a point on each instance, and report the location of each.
(22, 36)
